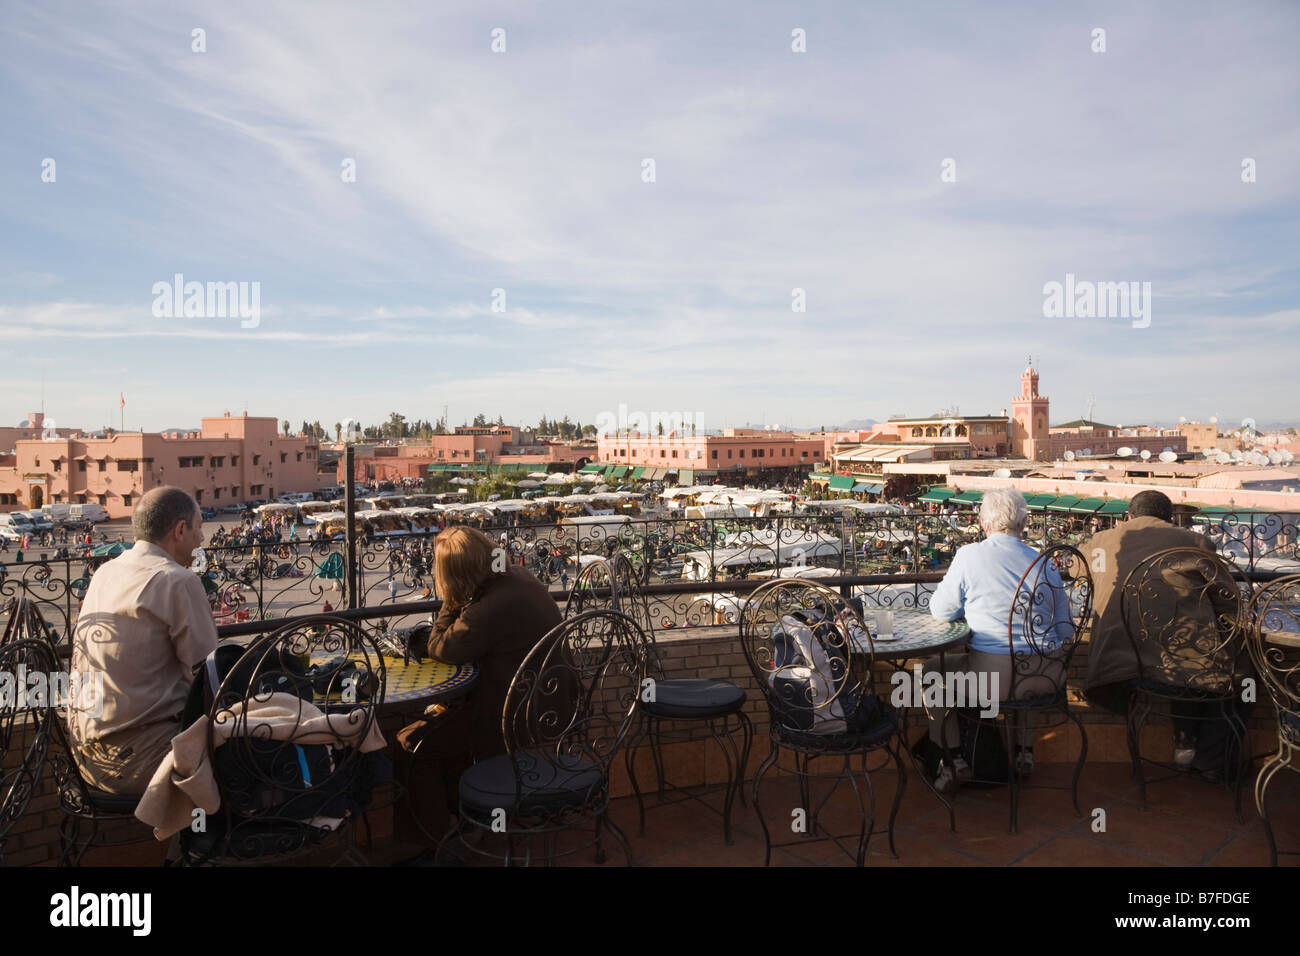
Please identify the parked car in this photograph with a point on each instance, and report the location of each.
(208, 514)
(234, 509)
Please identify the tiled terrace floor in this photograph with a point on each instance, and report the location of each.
(1187, 823)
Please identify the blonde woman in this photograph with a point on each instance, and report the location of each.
(490, 618)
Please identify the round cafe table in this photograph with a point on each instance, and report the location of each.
(415, 686)
(917, 633)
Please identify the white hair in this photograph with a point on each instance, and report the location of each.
(1003, 509)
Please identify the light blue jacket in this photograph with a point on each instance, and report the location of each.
(981, 586)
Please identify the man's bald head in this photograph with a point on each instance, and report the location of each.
(159, 511)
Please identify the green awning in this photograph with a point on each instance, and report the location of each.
(588, 469)
(1086, 506)
(620, 471)
(967, 498)
(1064, 503)
(686, 476)
(870, 487)
(1039, 502)
(1115, 506)
(841, 483)
(937, 496)
(637, 472)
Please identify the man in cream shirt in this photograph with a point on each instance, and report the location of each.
(144, 625)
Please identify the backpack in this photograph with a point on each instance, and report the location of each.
(811, 678)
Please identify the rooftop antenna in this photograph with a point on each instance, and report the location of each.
(1092, 406)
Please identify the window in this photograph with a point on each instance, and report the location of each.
(299, 457)
(81, 466)
(817, 454)
(128, 466)
(103, 499)
(216, 493)
(916, 432)
(311, 455)
(103, 466)
(742, 453)
(254, 489)
(58, 466)
(193, 461)
(931, 432)
(961, 431)
(715, 453)
(674, 453)
(126, 501)
(234, 460)
(804, 455)
(234, 491)
(198, 496)
(662, 453)
(217, 461)
(728, 452)
(256, 459)
(283, 456)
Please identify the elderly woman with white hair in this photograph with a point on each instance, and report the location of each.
(981, 586)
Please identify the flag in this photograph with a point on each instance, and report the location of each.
(123, 398)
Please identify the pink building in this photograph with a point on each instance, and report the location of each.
(744, 450)
(492, 446)
(229, 460)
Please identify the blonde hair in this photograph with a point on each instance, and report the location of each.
(462, 562)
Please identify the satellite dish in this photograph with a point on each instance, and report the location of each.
(1209, 452)
(1214, 419)
(1068, 456)
(1236, 455)
(1288, 457)
(1002, 473)
(1274, 457)
(1145, 455)
(1168, 456)
(1165, 449)
(1181, 419)
(1124, 452)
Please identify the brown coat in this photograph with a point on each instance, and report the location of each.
(495, 631)
(1112, 555)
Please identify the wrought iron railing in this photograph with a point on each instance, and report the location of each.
(898, 556)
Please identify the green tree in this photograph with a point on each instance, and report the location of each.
(480, 420)
(661, 427)
(440, 427)
(338, 431)
(395, 427)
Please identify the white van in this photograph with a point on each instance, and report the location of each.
(296, 497)
(18, 522)
(92, 512)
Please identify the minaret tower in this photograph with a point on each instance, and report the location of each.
(1029, 419)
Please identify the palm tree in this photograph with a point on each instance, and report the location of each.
(338, 431)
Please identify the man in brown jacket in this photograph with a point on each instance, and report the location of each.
(1112, 664)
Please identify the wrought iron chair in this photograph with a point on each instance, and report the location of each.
(812, 657)
(27, 716)
(1045, 624)
(294, 782)
(567, 712)
(1273, 640)
(85, 808)
(717, 703)
(1181, 609)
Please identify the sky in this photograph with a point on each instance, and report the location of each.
(919, 171)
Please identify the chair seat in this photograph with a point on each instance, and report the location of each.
(252, 839)
(546, 781)
(876, 734)
(1176, 692)
(695, 697)
(105, 802)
